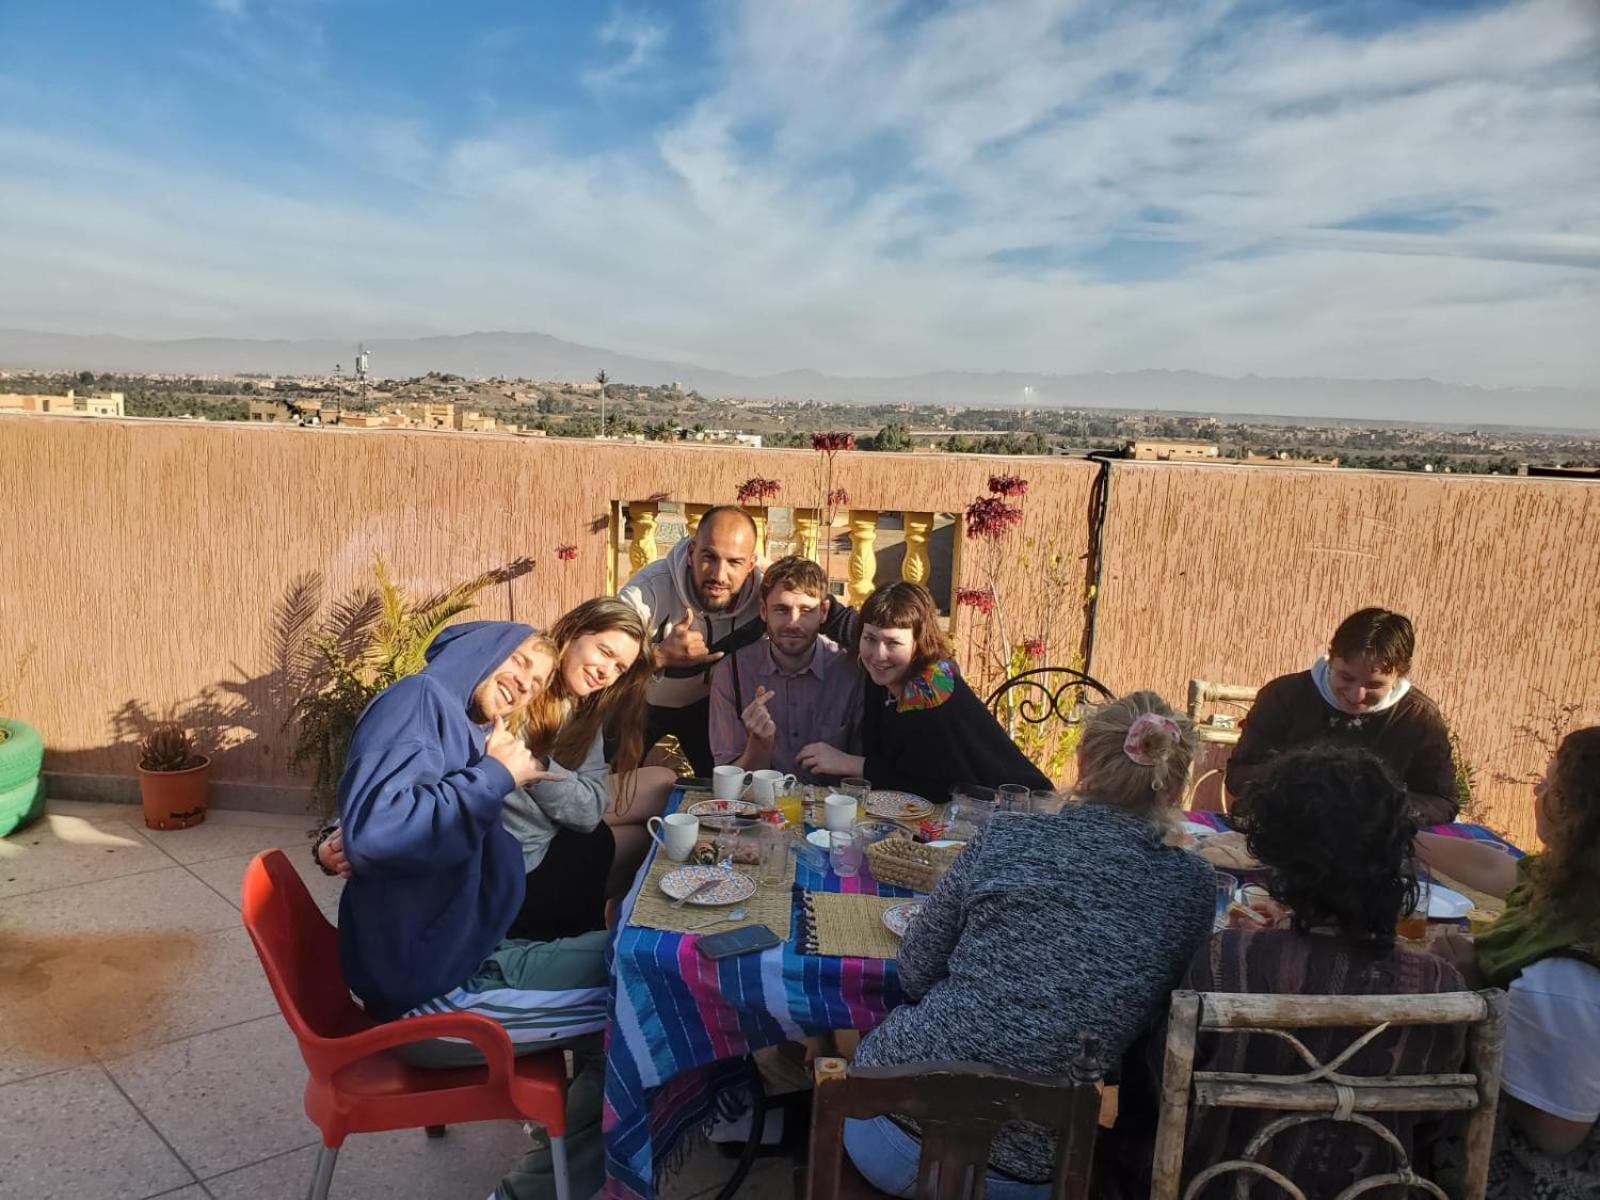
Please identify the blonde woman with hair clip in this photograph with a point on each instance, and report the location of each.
(1046, 928)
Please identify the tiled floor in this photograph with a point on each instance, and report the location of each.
(142, 1054)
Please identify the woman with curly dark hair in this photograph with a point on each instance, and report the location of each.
(1331, 824)
(1545, 951)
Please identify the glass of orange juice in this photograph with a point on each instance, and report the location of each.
(791, 804)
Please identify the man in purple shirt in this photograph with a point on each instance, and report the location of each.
(793, 687)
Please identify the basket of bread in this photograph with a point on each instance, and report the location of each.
(901, 862)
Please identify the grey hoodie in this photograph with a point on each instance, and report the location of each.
(661, 591)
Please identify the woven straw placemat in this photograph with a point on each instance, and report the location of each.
(772, 905)
(849, 925)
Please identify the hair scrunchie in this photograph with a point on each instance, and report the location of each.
(1133, 746)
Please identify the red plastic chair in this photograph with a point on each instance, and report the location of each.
(358, 1083)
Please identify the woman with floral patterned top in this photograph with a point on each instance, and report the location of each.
(923, 730)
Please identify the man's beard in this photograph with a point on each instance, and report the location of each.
(715, 604)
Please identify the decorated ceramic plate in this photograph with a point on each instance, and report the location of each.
(723, 808)
(731, 887)
(898, 806)
(898, 919)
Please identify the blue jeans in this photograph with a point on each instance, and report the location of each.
(887, 1155)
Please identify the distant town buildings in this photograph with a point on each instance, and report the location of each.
(1173, 450)
(108, 405)
(428, 414)
(1183, 450)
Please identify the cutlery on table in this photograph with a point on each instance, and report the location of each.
(737, 914)
(688, 896)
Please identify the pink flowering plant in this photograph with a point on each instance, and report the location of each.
(830, 446)
(757, 490)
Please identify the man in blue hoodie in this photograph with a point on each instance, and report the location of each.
(436, 879)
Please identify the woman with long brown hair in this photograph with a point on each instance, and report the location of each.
(1545, 951)
(583, 834)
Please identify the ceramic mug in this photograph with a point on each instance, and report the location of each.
(675, 833)
(728, 782)
(839, 813)
(767, 786)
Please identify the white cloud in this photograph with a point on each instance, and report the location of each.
(874, 190)
(632, 40)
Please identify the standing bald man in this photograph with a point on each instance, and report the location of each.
(701, 600)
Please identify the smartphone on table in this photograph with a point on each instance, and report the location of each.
(747, 940)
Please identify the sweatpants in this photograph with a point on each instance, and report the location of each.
(542, 993)
(547, 996)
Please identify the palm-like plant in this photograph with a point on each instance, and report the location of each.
(367, 642)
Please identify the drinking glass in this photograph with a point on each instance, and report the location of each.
(1014, 797)
(855, 787)
(791, 803)
(1413, 926)
(1046, 800)
(971, 806)
(845, 853)
(1227, 889)
(772, 868)
(737, 844)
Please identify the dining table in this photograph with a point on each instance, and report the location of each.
(682, 1027)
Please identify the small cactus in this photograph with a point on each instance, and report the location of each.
(167, 747)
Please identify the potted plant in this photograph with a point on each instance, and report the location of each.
(367, 643)
(173, 778)
(21, 757)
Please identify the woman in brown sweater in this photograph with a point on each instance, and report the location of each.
(1359, 697)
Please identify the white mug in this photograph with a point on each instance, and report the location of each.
(767, 786)
(839, 813)
(727, 782)
(675, 833)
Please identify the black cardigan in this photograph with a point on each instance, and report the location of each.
(937, 736)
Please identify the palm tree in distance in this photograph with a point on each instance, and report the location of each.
(600, 378)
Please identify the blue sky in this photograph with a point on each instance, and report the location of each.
(1362, 188)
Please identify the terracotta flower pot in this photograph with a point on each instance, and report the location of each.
(175, 799)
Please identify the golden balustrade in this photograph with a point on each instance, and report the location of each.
(642, 546)
(916, 568)
(862, 565)
(807, 523)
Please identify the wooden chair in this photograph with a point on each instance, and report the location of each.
(1207, 787)
(1043, 693)
(959, 1107)
(1323, 1092)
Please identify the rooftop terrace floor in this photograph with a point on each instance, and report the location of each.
(141, 1051)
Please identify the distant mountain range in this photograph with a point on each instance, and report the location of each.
(540, 356)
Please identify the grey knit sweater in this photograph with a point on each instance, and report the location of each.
(1045, 928)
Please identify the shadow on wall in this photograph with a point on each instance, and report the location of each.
(232, 720)
(326, 662)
